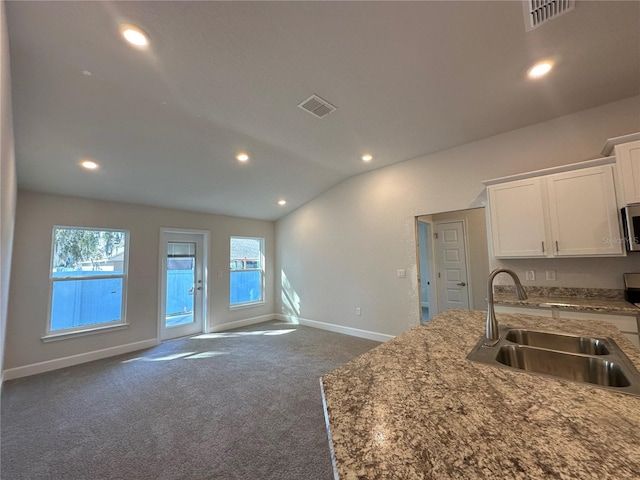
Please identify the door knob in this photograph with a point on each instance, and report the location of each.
(462, 284)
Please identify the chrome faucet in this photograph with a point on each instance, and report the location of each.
(492, 336)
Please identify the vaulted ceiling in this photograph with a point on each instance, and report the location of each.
(165, 123)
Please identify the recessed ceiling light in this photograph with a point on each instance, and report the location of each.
(86, 73)
(282, 202)
(540, 69)
(367, 157)
(134, 35)
(242, 157)
(89, 164)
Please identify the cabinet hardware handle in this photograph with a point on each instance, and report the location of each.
(542, 246)
(461, 284)
(557, 248)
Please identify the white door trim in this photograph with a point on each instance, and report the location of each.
(161, 281)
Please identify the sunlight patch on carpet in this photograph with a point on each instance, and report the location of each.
(245, 334)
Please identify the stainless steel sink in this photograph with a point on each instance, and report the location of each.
(557, 341)
(596, 361)
(579, 368)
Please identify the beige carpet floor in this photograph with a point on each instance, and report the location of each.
(244, 404)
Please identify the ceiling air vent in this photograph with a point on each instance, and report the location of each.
(537, 12)
(316, 106)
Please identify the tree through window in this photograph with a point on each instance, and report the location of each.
(88, 278)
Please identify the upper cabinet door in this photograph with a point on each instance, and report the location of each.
(517, 219)
(583, 213)
(628, 160)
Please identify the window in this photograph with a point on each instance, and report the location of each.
(88, 279)
(247, 271)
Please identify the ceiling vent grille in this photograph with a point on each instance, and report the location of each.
(317, 106)
(537, 12)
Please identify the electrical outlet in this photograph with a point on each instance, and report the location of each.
(220, 273)
(530, 274)
(551, 275)
(401, 273)
(358, 311)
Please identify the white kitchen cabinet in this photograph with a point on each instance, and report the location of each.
(627, 324)
(517, 219)
(583, 213)
(628, 161)
(535, 311)
(572, 213)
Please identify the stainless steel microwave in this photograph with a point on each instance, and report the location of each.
(631, 221)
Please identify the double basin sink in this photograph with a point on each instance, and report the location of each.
(596, 361)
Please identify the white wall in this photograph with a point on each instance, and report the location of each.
(341, 250)
(36, 215)
(7, 180)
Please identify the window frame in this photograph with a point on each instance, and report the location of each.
(53, 335)
(261, 269)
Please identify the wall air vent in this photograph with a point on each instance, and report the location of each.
(537, 12)
(317, 106)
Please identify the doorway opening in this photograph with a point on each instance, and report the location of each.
(451, 251)
(428, 300)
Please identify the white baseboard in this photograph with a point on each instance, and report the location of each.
(354, 332)
(241, 323)
(42, 367)
(63, 362)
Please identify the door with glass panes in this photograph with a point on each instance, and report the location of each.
(183, 284)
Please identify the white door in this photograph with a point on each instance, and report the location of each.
(183, 284)
(451, 263)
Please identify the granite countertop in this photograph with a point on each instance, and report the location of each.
(587, 304)
(416, 408)
(580, 299)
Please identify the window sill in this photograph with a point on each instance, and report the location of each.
(241, 306)
(54, 337)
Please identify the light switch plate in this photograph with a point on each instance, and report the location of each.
(530, 274)
(401, 273)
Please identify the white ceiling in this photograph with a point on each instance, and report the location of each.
(220, 77)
